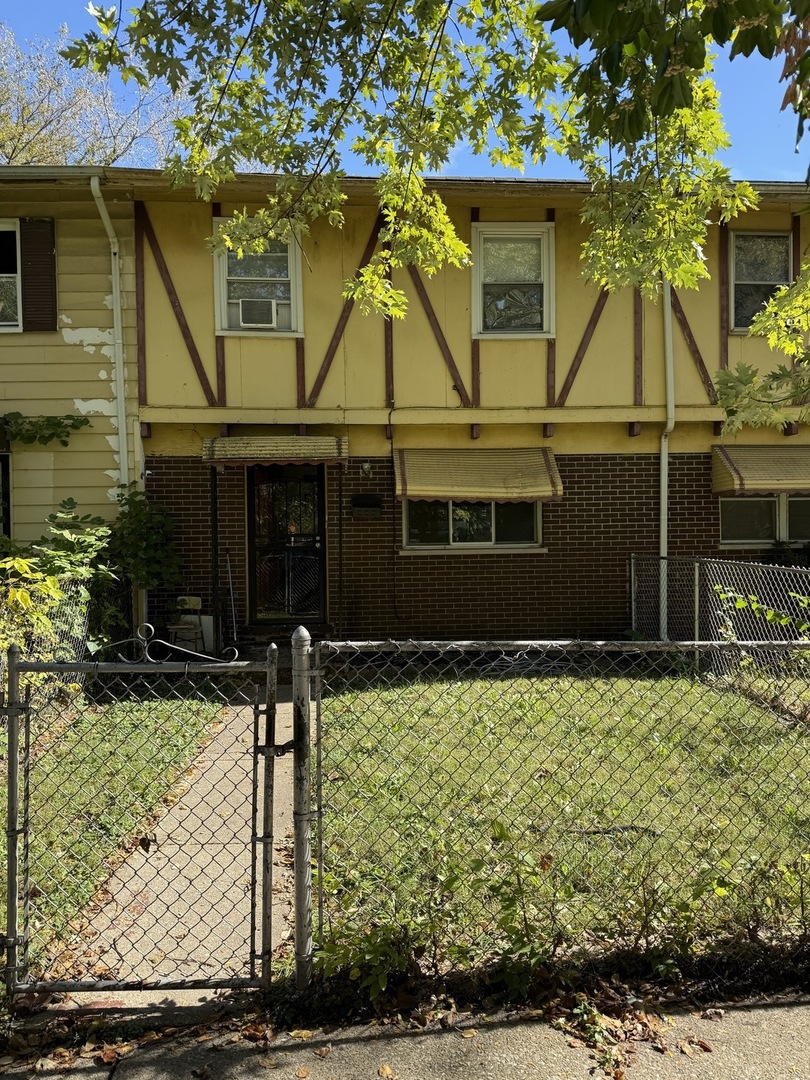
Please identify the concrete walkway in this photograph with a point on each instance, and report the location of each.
(179, 907)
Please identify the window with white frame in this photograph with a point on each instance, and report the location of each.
(10, 285)
(513, 279)
(28, 299)
(759, 521)
(259, 293)
(761, 262)
(461, 525)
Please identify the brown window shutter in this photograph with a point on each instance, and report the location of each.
(38, 273)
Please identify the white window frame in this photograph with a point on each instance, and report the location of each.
(507, 229)
(457, 547)
(733, 271)
(13, 225)
(782, 521)
(221, 297)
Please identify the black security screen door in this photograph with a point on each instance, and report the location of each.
(287, 551)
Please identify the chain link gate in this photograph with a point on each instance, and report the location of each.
(140, 823)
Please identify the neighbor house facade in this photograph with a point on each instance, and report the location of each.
(483, 468)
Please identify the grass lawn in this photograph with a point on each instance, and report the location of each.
(98, 773)
(470, 819)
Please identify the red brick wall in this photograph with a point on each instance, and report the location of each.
(183, 485)
(578, 588)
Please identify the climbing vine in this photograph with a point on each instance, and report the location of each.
(41, 429)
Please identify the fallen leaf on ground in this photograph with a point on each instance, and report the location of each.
(469, 1033)
(46, 1065)
(324, 1051)
(712, 1014)
(301, 1033)
(302, 1073)
(691, 1044)
(254, 1032)
(268, 1063)
(386, 1072)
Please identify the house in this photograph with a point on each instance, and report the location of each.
(483, 468)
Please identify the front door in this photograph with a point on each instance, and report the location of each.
(287, 551)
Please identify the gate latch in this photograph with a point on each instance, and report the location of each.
(277, 749)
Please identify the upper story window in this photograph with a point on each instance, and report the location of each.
(259, 293)
(761, 262)
(10, 287)
(513, 279)
(27, 275)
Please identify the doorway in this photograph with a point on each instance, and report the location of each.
(287, 550)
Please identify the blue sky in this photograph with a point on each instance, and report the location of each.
(763, 139)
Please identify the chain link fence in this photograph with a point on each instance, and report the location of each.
(141, 804)
(502, 807)
(681, 599)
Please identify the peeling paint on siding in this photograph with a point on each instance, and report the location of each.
(87, 336)
(96, 407)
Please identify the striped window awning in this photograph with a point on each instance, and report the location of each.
(477, 475)
(761, 470)
(275, 450)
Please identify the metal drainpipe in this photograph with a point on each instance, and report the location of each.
(118, 338)
(663, 506)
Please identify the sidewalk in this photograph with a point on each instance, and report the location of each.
(766, 1040)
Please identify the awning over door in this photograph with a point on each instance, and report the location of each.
(477, 475)
(275, 450)
(761, 470)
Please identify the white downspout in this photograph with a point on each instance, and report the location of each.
(663, 506)
(118, 337)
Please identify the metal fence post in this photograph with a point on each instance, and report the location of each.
(12, 826)
(268, 810)
(633, 617)
(302, 807)
(696, 626)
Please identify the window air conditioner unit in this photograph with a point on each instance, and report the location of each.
(260, 314)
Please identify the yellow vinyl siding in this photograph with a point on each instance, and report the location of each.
(70, 371)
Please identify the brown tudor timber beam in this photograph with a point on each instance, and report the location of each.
(692, 346)
(219, 346)
(343, 318)
(724, 297)
(441, 341)
(177, 308)
(579, 356)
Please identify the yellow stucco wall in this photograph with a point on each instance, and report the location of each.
(261, 368)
